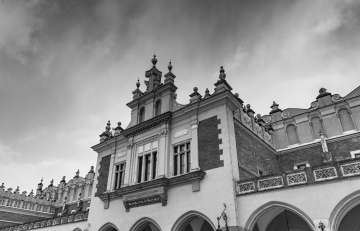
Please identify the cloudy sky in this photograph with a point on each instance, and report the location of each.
(66, 67)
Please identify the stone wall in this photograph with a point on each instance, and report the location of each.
(253, 153)
(339, 149)
(208, 141)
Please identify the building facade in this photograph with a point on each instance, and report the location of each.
(212, 164)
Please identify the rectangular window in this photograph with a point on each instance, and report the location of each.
(182, 159)
(119, 175)
(140, 169)
(154, 165)
(147, 162)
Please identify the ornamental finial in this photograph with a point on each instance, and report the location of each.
(77, 173)
(170, 66)
(195, 89)
(108, 126)
(222, 75)
(138, 84)
(154, 60)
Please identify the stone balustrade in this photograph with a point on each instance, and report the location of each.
(309, 175)
(78, 217)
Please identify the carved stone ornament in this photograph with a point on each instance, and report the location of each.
(314, 105)
(285, 114)
(267, 119)
(163, 133)
(152, 196)
(181, 132)
(247, 118)
(130, 145)
(336, 98)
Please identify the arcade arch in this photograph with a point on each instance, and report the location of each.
(278, 216)
(193, 221)
(145, 224)
(345, 216)
(108, 227)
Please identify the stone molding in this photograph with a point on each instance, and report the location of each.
(151, 189)
(148, 124)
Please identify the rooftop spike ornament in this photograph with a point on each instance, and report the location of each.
(170, 66)
(222, 75)
(138, 84)
(154, 60)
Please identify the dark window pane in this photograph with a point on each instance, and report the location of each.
(188, 161)
(140, 169)
(154, 164)
(182, 148)
(175, 149)
(175, 164)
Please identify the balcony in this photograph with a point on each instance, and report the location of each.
(311, 175)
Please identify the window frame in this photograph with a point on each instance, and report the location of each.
(147, 171)
(119, 182)
(181, 166)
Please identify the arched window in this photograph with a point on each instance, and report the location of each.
(158, 108)
(346, 120)
(292, 135)
(316, 127)
(142, 115)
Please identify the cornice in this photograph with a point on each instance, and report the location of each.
(148, 124)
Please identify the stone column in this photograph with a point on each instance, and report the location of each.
(128, 165)
(162, 154)
(194, 152)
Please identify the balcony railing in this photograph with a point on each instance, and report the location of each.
(49, 222)
(309, 175)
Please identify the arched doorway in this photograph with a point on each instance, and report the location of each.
(145, 224)
(193, 221)
(108, 227)
(277, 216)
(351, 221)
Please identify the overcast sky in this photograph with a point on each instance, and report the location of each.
(66, 67)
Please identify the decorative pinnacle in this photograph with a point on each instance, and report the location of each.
(119, 124)
(138, 84)
(207, 91)
(222, 75)
(170, 66)
(154, 60)
(77, 173)
(195, 89)
(236, 95)
(274, 105)
(108, 126)
(51, 182)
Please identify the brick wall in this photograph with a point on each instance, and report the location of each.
(253, 153)
(313, 155)
(244, 174)
(103, 175)
(208, 142)
(7, 216)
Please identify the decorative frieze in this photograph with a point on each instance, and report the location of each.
(296, 178)
(181, 132)
(246, 187)
(269, 183)
(350, 169)
(325, 174)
